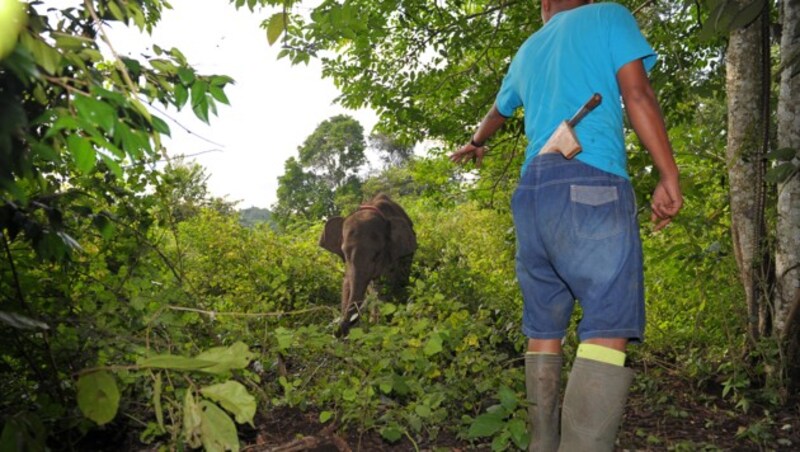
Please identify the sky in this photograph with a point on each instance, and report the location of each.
(274, 105)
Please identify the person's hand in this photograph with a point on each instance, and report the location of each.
(469, 152)
(666, 203)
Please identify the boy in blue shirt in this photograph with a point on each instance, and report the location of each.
(577, 235)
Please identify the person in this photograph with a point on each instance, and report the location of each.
(575, 219)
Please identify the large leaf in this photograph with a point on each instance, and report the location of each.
(96, 112)
(233, 396)
(433, 346)
(21, 322)
(508, 399)
(98, 396)
(237, 356)
(83, 153)
(176, 362)
(218, 432)
(276, 26)
(487, 424)
(192, 418)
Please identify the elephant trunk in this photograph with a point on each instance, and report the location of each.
(354, 289)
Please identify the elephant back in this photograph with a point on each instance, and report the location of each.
(403, 237)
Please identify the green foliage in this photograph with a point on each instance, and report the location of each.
(98, 396)
(72, 124)
(324, 178)
(137, 301)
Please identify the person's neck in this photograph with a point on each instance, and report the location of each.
(559, 7)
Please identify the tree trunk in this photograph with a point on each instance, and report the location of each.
(787, 254)
(745, 164)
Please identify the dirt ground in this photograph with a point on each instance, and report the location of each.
(679, 417)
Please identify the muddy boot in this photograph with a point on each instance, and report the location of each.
(593, 406)
(543, 383)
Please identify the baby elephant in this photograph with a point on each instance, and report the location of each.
(377, 243)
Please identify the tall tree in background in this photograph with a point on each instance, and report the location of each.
(745, 156)
(325, 176)
(787, 254)
(334, 152)
(391, 151)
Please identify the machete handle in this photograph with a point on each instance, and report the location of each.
(593, 102)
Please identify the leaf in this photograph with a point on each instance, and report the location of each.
(433, 346)
(181, 96)
(349, 394)
(96, 112)
(284, 337)
(157, 401)
(176, 362)
(112, 165)
(186, 75)
(199, 90)
(486, 424)
(70, 42)
(392, 433)
(218, 432)
(508, 399)
(218, 94)
(237, 356)
(201, 110)
(781, 173)
(160, 126)
(233, 396)
(98, 396)
(276, 26)
(116, 12)
(83, 153)
(23, 432)
(21, 322)
(519, 433)
(191, 420)
(325, 416)
(784, 154)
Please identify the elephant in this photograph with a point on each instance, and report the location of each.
(377, 244)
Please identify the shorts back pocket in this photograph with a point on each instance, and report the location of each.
(596, 211)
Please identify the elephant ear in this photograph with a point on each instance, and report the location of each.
(331, 238)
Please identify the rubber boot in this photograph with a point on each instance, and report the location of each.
(543, 383)
(594, 402)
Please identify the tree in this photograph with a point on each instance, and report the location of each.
(68, 116)
(79, 147)
(787, 254)
(391, 151)
(748, 121)
(324, 179)
(334, 152)
(301, 195)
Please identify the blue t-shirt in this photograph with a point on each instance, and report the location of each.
(574, 55)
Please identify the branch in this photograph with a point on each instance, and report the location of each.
(186, 129)
(120, 64)
(17, 285)
(251, 314)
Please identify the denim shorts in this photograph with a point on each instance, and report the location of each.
(578, 239)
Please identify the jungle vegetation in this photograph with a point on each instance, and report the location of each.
(138, 310)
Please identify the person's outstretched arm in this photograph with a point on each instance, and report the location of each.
(475, 149)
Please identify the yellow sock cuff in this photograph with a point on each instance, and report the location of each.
(541, 353)
(602, 354)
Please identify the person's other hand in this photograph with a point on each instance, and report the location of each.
(469, 152)
(666, 203)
